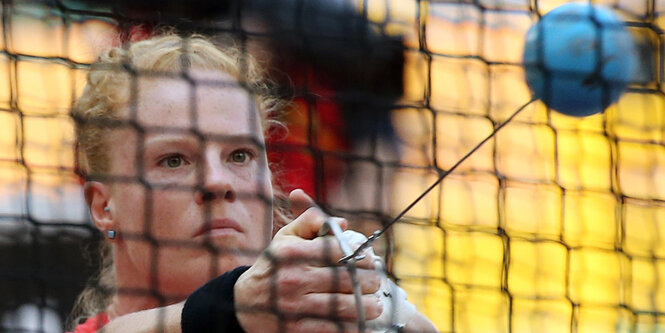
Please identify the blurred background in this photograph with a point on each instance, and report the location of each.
(557, 224)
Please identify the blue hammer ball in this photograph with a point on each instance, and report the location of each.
(579, 58)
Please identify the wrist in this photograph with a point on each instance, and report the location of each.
(211, 308)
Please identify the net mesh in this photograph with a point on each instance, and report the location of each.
(555, 224)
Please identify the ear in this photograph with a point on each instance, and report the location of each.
(98, 197)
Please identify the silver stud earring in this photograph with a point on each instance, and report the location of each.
(110, 234)
(107, 209)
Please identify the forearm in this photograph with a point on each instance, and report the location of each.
(163, 320)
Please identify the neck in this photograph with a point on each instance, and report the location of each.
(135, 292)
(125, 304)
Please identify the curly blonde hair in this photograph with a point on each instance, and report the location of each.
(108, 89)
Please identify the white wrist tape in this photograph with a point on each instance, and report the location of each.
(397, 310)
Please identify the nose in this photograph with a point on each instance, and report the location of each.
(217, 182)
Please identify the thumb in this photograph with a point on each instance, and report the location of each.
(299, 202)
(308, 224)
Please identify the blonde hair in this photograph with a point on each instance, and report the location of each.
(108, 88)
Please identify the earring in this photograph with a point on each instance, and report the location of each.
(107, 209)
(110, 234)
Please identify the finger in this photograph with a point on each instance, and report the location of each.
(338, 280)
(321, 325)
(293, 280)
(319, 252)
(330, 252)
(304, 226)
(307, 225)
(300, 202)
(334, 306)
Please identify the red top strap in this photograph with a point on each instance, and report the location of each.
(92, 324)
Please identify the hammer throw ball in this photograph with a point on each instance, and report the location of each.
(579, 58)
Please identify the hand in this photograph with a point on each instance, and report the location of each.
(297, 285)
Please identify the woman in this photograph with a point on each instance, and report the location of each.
(171, 141)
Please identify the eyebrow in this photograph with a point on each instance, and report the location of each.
(169, 139)
(179, 138)
(235, 138)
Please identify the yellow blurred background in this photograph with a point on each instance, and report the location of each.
(556, 224)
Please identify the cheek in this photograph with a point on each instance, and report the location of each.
(260, 180)
(159, 211)
(170, 213)
(261, 215)
(129, 201)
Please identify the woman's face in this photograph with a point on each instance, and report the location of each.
(193, 197)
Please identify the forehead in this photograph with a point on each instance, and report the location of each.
(211, 103)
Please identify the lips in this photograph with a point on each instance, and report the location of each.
(217, 227)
